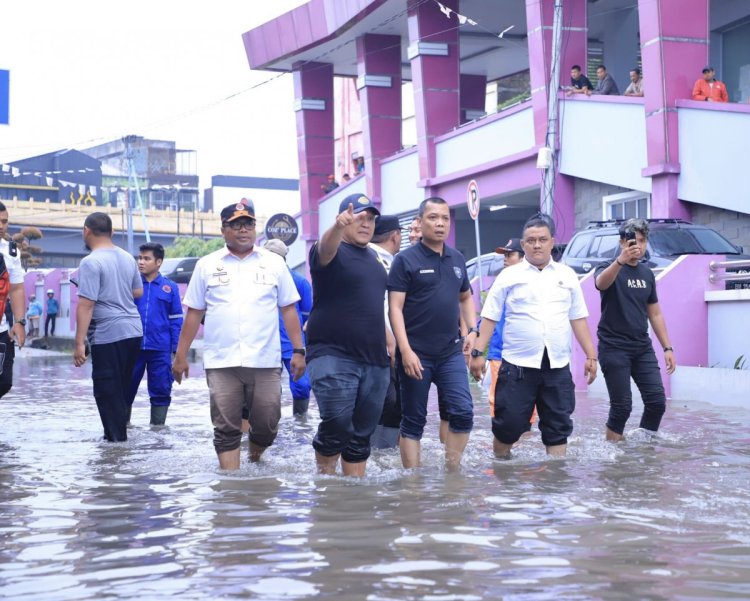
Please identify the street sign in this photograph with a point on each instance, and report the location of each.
(4, 96)
(282, 227)
(472, 199)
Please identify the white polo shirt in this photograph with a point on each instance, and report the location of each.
(241, 298)
(15, 273)
(538, 308)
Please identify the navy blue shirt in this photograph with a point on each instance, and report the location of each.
(347, 314)
(624, 321)
(432, 284)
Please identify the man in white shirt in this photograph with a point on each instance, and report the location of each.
(543, 302)
(239, 290)
(11, 292)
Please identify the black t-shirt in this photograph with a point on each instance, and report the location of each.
(581, 82)
(624, 321)
(432, 284)
(347, 315)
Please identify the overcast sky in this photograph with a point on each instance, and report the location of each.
(84, 72)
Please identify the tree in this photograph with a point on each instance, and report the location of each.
(30, 254)
(188, 246)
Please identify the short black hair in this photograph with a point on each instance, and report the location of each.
(99, 223)
(3, 208)
(378, 238)
(574, 67)
(636, 70)
(434, 200)
(634, 225)
(601, 67)
(155, 248)
(539, 219)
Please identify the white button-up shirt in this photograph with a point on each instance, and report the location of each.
(15, 273)
(241, 298)
(538, 308)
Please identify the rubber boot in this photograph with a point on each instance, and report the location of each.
(159, 414)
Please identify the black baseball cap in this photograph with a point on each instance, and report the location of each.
(386, 223)
(360, 202)
(244, 208)
(708, 68)
(512, 246)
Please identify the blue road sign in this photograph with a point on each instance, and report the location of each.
(4, 96)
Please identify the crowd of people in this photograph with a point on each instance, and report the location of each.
(706, 88)
(376, 329)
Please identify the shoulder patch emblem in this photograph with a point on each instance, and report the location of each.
(167, 288)
(458, 271)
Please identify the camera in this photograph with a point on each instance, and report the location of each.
(630, 235)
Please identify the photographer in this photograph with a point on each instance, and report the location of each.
(629, 303)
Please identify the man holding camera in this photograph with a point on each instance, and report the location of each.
(629, 304)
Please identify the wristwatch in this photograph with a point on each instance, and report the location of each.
(470, 330)
(22, 321)
(476, 353)
(299, 351)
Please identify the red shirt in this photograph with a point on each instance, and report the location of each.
(715, 90)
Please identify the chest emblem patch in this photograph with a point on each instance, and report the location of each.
(167, 288)
(459, 273)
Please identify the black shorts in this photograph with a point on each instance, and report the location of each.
(7, 354)
(518, 389)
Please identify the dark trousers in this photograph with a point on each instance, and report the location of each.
(111, 369)
(618, 366)
(158, 367)
(7, 354)
(51, 318)
(391, 416)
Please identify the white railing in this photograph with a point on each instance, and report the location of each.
(743, 272)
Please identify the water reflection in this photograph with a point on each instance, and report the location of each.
(652, 518)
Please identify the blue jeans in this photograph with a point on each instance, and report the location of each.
(618, 366)
(300, 389)
(450, 376)
(350, 400)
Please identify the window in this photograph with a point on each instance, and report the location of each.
(604, 246)
(579, 246)
(626, 205)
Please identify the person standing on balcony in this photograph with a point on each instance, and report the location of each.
(348, 362)
(239, 289)
(428, 289)
(709, 88)
(330, 185)
(605, 85)
(543, 302)
(160, 309)
(53, 307)
(580, 84)
(629, 304)
(636, 84)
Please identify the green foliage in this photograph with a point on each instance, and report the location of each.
(514, 100)
(740, 362)
(188, 246)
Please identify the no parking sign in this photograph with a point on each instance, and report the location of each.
(472, 199)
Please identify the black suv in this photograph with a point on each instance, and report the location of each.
(668, 239)
(178, 269)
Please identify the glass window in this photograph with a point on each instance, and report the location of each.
(604, 246)
(735, 54)
(579, 246)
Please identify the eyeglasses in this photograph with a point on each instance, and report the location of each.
(248, 224)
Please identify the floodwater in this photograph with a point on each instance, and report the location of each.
(663, 518)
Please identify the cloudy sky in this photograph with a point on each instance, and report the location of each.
(86, 71)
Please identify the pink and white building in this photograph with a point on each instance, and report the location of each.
(414, 87)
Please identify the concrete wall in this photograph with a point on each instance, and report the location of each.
(727, 312)
(734, 226)
(589, 200)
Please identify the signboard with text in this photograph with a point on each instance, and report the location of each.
(282, 227)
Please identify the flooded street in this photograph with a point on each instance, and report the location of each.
(153, 517)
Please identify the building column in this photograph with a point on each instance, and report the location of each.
(313, 104)
(674, 48)
(473, 97)
(379, 85)
(540, 16)
(434, 55)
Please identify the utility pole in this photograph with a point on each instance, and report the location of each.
(548, 186)
(133, 181)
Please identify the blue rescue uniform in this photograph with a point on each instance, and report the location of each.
(301, 388)
(160, 308)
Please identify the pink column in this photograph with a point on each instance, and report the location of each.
(313, 103)
(379, 84)
(434, 55)
(473, 96)
(674, 47)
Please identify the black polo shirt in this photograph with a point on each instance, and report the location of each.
(347, 315)
(432, 284)
(624, 321)
(581, 82)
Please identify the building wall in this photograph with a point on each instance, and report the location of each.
(589, 200)
(734, 226)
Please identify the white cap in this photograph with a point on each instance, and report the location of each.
(50, 291)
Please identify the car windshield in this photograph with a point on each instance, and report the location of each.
(169, 265)
(688, 241)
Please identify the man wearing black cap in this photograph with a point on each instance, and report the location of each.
(386, 242)
(709, 88)
(346, 340)
(427, 291)
(239, 289)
